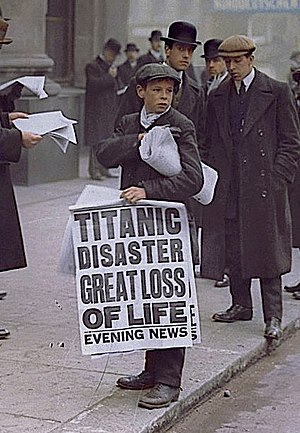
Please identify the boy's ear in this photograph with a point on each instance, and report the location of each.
(140, 91)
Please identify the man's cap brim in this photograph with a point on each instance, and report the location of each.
(235, 53)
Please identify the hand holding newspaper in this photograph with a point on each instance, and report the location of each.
(53, 124)
(34, 83)
(159, 150)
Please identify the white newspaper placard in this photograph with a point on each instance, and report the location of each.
(134, 277)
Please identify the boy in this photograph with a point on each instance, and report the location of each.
(155, 86)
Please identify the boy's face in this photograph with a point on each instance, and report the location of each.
(157, 95)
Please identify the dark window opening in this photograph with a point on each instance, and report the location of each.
(60, 39)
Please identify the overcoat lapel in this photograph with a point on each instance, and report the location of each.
(261, 98)
(221, 104)
(188, 97)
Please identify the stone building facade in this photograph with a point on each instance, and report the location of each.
(56, 38)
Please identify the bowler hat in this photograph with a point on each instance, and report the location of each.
(183, 33)
(156, 71)
(113, 45)
(3, 30)
(155, 34)
(236, 46)
(210, 48)
(131, 47)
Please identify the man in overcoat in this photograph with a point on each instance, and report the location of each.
(155, 84)
(215, 65)
(294, 190)
(12, 254)
(128, 69)
(253, 142)
(154, 55)
(100, 102)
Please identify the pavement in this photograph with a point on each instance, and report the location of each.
(48, 386)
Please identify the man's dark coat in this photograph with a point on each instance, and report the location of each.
(267, 162)
(144, 59)
(294, 196)
(126, 72)
(100, 102)
(12, 255)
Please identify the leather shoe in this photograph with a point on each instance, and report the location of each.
(292, 289)
(224, 282)
(4, 333)
(2, 294)
(232, 314)
(143, 380)
(273, 329)
(159, 396)
(296, 295)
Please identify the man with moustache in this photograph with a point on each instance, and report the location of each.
(215, 65)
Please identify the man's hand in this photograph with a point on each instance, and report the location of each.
(133, 194)
(17, 115)
(30, 140)
(113, 71)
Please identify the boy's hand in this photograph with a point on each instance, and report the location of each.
(133, 194)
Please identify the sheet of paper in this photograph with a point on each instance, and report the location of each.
(34, 83)
(52, 123)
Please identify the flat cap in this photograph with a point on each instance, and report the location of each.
(236, 46)
(156, 71)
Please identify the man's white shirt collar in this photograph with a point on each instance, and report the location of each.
(247, 81)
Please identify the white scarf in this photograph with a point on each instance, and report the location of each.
(146, 119)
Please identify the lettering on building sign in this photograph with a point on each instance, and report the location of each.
(256, 5)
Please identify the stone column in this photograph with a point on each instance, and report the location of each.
(26, 54)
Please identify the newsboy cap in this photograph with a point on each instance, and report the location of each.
(236, 46)
(156, 71)
(211, 48)
(183, 33)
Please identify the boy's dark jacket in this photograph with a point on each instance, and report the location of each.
(122, 149)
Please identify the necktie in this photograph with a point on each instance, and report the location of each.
(242, 89)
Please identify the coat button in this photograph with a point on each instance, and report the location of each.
(244, 160)
(262, 173)
(260, 132)
(262, 152)
(264, 193)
